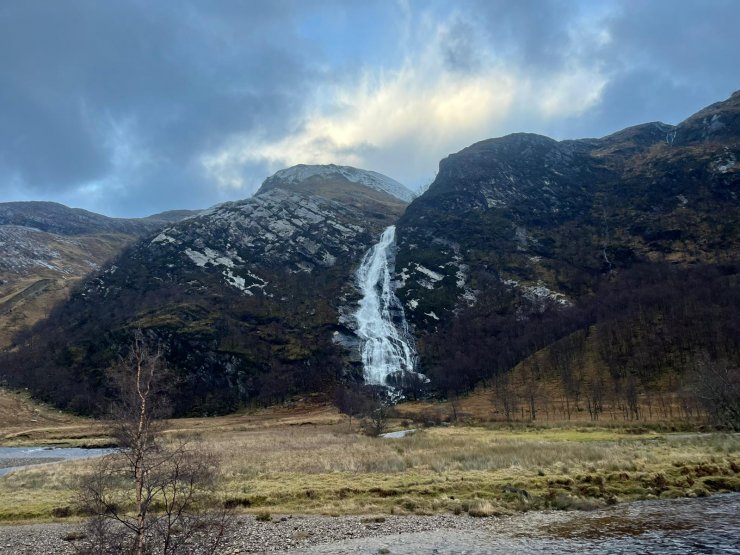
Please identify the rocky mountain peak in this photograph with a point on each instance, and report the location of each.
(718, 122)
(304, 174)
(508, 171)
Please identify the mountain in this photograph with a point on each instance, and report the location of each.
(602, 270)
(52, 217)
(629, 244)
(47, 247)
(302, 176)
(244, 297)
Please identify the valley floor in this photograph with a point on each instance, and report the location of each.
(305, 459)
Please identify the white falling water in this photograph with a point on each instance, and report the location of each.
(386, 345)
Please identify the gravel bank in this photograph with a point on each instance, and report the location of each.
(281, 534)
(675, 527)
(33, 539)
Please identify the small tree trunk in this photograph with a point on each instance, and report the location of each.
(140, 447)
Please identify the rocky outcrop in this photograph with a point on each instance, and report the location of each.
(244, 297)
(550, 218)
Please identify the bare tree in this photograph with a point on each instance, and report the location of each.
(377, 422)
(350, 400)
(378, 410)
(150, 495)
(595, 397)
(716, 386)
(504, 396)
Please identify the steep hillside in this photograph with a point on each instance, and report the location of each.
(47, 247)
(522, 240)
(244, 298)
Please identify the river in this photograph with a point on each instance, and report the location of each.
(14, 458)
(681, 526)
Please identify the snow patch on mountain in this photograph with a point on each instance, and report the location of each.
(431, 274)
(209, 257)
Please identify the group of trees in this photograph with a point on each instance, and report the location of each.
(650, 330)
(371, 403)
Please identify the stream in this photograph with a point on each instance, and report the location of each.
(15, 458)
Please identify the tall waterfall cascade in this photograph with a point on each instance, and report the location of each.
(386, 345)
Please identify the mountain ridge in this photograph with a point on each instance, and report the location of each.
(57, 218)
(243, 298)
(520, 242)
(524, 228)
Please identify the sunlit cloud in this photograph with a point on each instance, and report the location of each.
(403, 121)
(378, 115)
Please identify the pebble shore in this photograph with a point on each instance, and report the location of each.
(282, 534)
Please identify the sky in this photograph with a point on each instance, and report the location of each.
(131, 107)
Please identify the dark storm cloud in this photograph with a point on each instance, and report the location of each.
(528, 33)
(670, 59)
(115, 105)
(177, 76)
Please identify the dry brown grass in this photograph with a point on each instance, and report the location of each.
(23, 421)
(304, 459)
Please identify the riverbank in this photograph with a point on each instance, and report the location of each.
(673, 526)
(16, 458)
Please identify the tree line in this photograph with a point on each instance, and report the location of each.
(654, 327)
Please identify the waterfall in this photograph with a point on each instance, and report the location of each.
(385, 343)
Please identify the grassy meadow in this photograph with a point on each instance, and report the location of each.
(306, 459)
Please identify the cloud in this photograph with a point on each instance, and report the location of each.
(450, 90)
(111, 95)
(458, 48)
(133, 107)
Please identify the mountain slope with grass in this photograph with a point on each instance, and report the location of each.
(243, 298)
(47, 247)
